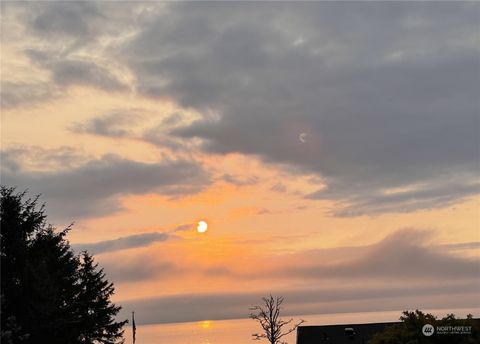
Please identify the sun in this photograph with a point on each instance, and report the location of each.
(202, 226)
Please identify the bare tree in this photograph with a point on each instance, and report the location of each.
(268, 315)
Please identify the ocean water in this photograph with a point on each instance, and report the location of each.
(239, 331)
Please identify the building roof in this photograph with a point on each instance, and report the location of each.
(340, 334)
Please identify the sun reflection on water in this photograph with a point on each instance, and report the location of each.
(205, 324)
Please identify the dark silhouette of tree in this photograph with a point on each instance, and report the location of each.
(410, 330)
(48, 294)
(98, 319)
(268, 315)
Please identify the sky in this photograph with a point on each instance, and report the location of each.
(333, 149)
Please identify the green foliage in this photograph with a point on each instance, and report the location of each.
(49, 294)
(409, 331)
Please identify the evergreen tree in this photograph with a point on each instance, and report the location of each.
(19, 222)
(48, 294)
(98, 312)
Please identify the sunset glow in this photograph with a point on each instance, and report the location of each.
(211, 153)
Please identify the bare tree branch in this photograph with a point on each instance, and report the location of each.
(268, 316)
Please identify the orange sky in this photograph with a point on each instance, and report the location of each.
(78, 107)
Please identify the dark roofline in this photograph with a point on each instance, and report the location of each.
(356, 324)
(336, 332)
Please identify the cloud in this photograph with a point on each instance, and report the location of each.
(279, 187)
(72, 18)
(383, 108)
(122, 243)
(131, 123)
(463, 246)
(185, 227)
(157, 136)
(94, 187)
(69, 40)
(72, 25)
(403, 255)
(228, 178)
(16, 157)
(117, 123)
(402, 271)
(15, 94)
(138, 269)
(68, 71)
(197, 307)
(434, 194)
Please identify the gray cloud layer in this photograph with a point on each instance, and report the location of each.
(349, 298)
(123, 243)
(114, 124)
(13, 94)
(92, 188)
(77, 19)
(60, 37)
(68, 71)
(401, 271)
(387, 92)
(404, 255)
(435, 194)
(139, 269)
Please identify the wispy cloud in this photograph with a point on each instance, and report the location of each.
(123, 243)
(184, 227)
(462, 246)
(117, 123)
(17, 94)
(68, 71)
(405, 254)
(93, 187)
(435, 194)
(400, 271)
(238, 181)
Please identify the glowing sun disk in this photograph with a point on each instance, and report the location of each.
(202, 227)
